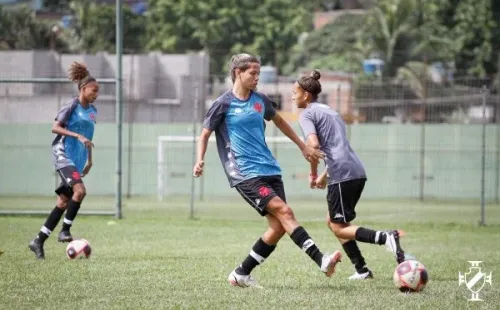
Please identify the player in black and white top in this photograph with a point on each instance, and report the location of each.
(324, 129)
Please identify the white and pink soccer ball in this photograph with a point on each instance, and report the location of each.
(78, 248)
(410, 276)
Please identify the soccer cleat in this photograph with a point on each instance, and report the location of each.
(242, 280)
(329, 262)
(65, 236)
(392, 244)
(37, 247)
(362, 276)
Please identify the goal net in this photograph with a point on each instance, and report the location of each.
(176, 157)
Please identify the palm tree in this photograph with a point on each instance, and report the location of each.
(406, 35)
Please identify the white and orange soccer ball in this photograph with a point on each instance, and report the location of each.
(78, 248)
(410, 276)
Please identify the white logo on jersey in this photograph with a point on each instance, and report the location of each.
(238, 110)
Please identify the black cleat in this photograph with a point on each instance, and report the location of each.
(392, 244)
(65, 236)
(37, 247)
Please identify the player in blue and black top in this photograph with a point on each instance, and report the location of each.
(237, 117)
(325, 129)
(72, 155)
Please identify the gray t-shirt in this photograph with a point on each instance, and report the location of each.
(343, 164)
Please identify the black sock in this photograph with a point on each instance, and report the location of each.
(50, 224)
(302, 239)
(71, 212)
(259, 253)
(354, 254)
(370, 236)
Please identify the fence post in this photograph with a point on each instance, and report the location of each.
(483, 156)
(497, 160)
(195, 132)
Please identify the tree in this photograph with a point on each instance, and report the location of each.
(224, 27)
(20, 30)
(336, 46)
(179, 26)
(472, 25)
(276, 25)
(56, 5)
(94, 28)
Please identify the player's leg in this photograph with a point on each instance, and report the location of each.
(73, 179)
(51, 222)
(352, 250)
(342, 199)
(261, 250)
(280, 209)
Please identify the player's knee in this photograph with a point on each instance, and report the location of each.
(337, 229)
(61, 203)
(284, 212)
(79, 192)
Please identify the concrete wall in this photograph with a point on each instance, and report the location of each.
(157, 87)
(391, 154)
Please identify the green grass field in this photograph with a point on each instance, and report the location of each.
(157, 258)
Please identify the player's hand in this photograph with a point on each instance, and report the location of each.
(320, 182)
(85, 141)
(198, 168)
(312, 155)
(312, 180)
(86, 169)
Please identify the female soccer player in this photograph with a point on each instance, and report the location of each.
(237, 117)
(72, 155)
(324, 129)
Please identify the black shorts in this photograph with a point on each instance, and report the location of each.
(259, 191)
(342, 199)
(69, 177)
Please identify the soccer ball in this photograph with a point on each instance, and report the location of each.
(78, 248)
(410, 276)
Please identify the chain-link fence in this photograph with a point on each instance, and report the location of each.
(418, 140)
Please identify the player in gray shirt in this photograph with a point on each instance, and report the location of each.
(324, 129)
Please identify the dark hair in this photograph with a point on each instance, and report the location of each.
(311, 83)
(79, 74)
(242, 62)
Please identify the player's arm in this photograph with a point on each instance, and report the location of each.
(61, 122)
(57, 128)
(203, 144)
(312, 142)
(88, 165)
(310, 154)
(212, 120)
(321, 180)
(201, 149)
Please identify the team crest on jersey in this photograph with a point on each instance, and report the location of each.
(264, 191)
(92, 116)
(258, 107)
